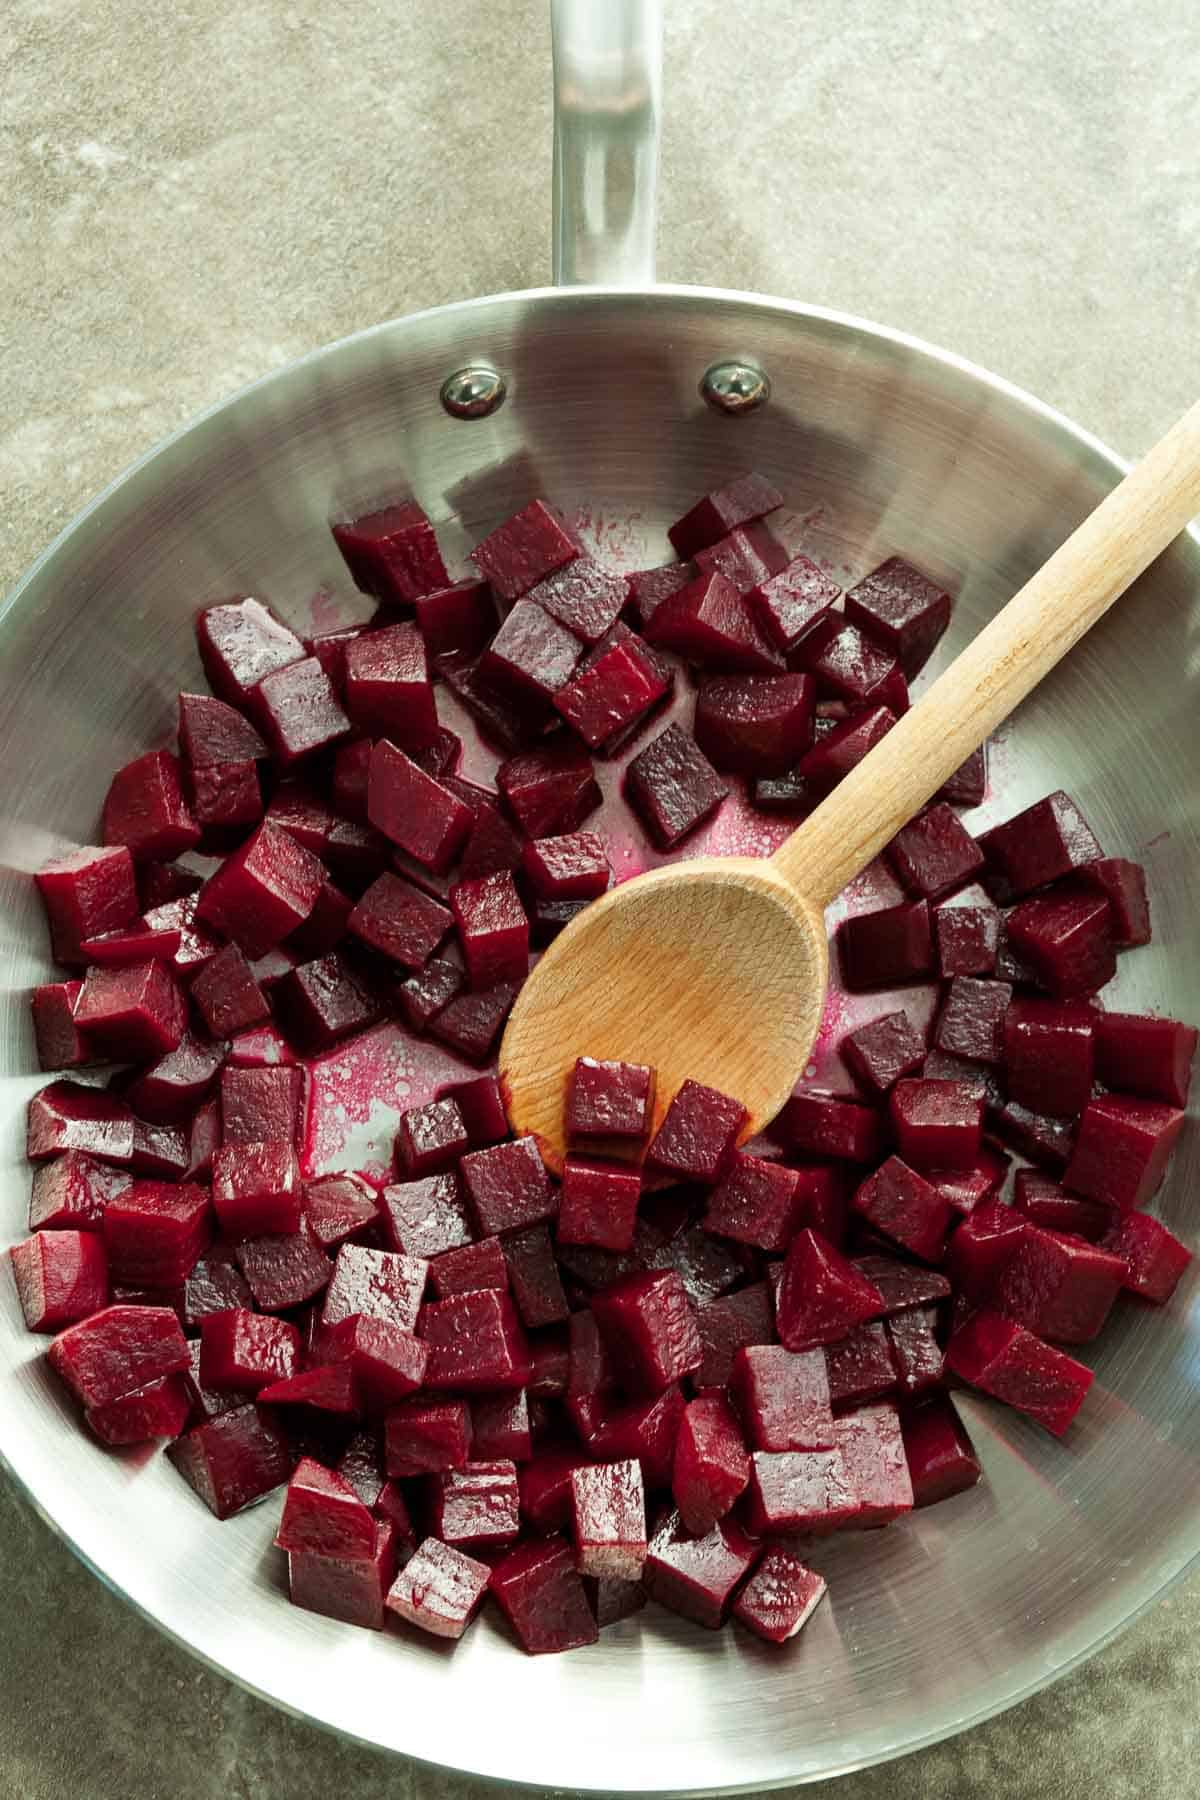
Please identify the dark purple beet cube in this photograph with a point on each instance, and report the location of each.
(780, 1597)
(608, 1520)
(609, 697)
(424, 995)
(841, 749)
(612, 1601)
(212, 732)
(712, 1468)
(68, 1116)
(783, 1397)
(475, 1507)
(423, 817)
(424, 1218)
(493, 929)
(740, 502)
(500, 1427)
(388, 691)
(262, 1106)
(788, 793)
(648, 588)
(758, 1203)
(1154, 1259)
(131, 1014)
(242, 1352)
(971, 1020)
(508, 1186)
(982, 1248)
(1002, 1358)
(322, 1512)
(860, 1366)
(599, 1203)
(1066, 940)
(821, 1296)
(137, 943)
(710, 623)
(890, 948)
(609, 1100)
(351, 774)
(968, 939)
(697, 1135)
(1149, 1057)
(1123, 885)
(787, 602)
(748, 556)
(727, 1324)
(545, 1487)
(1045, 1202)
(938, 1124)
(118, 1350)
(880, 1054)
(916, 1353)
(233, 1460)
(240, 642)
(531, 655)
(906, 1208)
(799, 1490)
(159, 882)
(155, 1231)
(422, 1437)
(941, 1462)
(469, 1268)
(86, 892)
(755, 725)
(329, 1388)
(649, 1330)
(351, 1589)
(285, 1270)
(482, 1107)
(902, 609)
(524, 550)
(543, 1598)
(397, 919)
(457, 621)
(324, 1000)
(392, 553)
(71, 1192)
(583, 596)
(935, 853)
(1049, 1055)
(476, 1343)
(439, 1590)
(145, 808)
(227, 996)
(968, 784)
(60, 1044)
(848, 665)
(696, 1576)
(61, 1277)
(226, 795)
(876, 1467)
(300, 711)
(470, 1024)
(383, 1284)
(1122, 1150)
(262, 892)
(1047, 840)
(550, 791)
(1059, 1287)
(1037, 1136)
(215, 1284)
(642, 1430)
(160, 1150)
(902, 1285)
(431, 1138)
(571, 867)
(829, 1126)
(196, 944)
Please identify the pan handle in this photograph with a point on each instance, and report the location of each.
(607, 99)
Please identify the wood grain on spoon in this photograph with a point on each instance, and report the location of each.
(715, 969)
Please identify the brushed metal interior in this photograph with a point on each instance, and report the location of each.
(887, 445)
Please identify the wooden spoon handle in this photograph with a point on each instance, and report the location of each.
(1129, 528)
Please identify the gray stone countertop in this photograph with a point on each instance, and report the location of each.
(195, 194)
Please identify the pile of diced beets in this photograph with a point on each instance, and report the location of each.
(652, 1377)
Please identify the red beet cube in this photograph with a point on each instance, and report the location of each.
(233, 1460)
(755, 725)
(824, 1125)
(86, 892)
(212, 733)
(492, 845)
(543, 1598)
(425, 1218)
(648, 588)
(214, 1285)
(783, 1397)
(1059, 1287)
(697, 1136)
(242, 1352)
(799, 1490)
(842, 748)
(136, 944)
(935, 853)
(508, 1186)
(387, 687)
(476, 1343)
(609, 1100)
(902, 609)
(170, 1090)
(67, 1116)
(1145, 1056)
(351, 1589)
(324, 1000)
(457, 621)
(821, 1296)
(475, 1507)
(941, 1461)
(551, 1357)
(392, 553)
(696, 1577)
(879, 1054)
(787, 602)
(256, 1189)
(196, 944)
(263, 891)
(545, 1488)
(643, 1430)
(968, 784)
(982, 1248)
(429, 992)
(872, 1449)
(611, 695)
(1154, 1259)
(712, 1468)
(902, 1285)
(227, 996)
(399, 920)
(1045, 1203)
(286, 1270)
(524, 550)
(572, 867)
(531, 655)
(161, 1150)
(493, 929)
(582, 596)
(649, 1330)
(747, 557)
(114, 1351)
(158, 882)
(146, 810)
(383, 1284)
(422, 1437)
(240, 642)
(886, 949)
(322, 1512)
(1005, 1360)
(351, 775)
(905, 1207)
(1045, 1141)
(938, 1124)
(1045, 841)
(500, 1427)
(1066, 941)
(757, 1202)
(337, 1207)
(71, 1192)
(440, 1589)
(916, 1353)
(155, 1231)
(226, 795)
(727, 1324)
(261, 1106)
(61, 1277)
(131, 1014)
(968, 939)
(1123, 885)
(599, 1203)
(158, 1410)
(549, 791)
(60, 1043)
(608, 1520)
(612, 1601)
(710, 623)
(971, 1020)
(431, 1138)
(780, 1597)
(1048, 1055)
(533, 1274)
(428, 822)
(1122, 1150)
(468, 1268)
(739, 502)
(850, 666)
(300, 711)
(481, 1107)
(860, 1366)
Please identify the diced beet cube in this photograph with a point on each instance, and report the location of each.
(644, 1430)
(392, 552)
(582, 596)
(500, 1427)
(591, 1373)
(155, 1232)
(412, 809)
(876, 1467)
(351, 774)
(608, 1520)
(493, 929)
(196, 944)
(482, 1109)
(968, 939)
(286, 1270)
(476, 1343)
(780, 1597)
(1044, 1202)
(1122, 1150)
(938, 1124)
(145, 808)
(542, 1596)
(712, 1468)
(739, 502)
(599, 1203)
(322, 1512)
(361, 1464)
(902, 1285)
(212, 732)
(131, 1014)
(1059, 1287)
(422, 1437)
(847, 664)
(729, 1323)
(533, 1275)
(841, 749)
(549, 791)
(86, 892)
(226, 795)
(240, 642)
(242, 1352)
(571, 867)
(860, 1366)
(137, 943)
(696, 1577)
(227, 996)
(158, 1410)
(508, 1186)
(1003, 1359)
(609, 1100)
(710, 623)
(821, 1296)
(649, 1330)
(880, 1054)
(941, 1461)
(300, 711)
(612, 1601)
(524, 550)
(935, 853)
(1042, 1139)
(352, 1589)
(158, 883)
(399, 920)
(799, 1490)
(531, 655)
(755, 725)
(982, 1248)
(427, 993)
(605, 700)
(697, 1136)
(1066, 941)
(545, 1488)
(475, 1507)
(916, 1353)
(160, 1150)
(60, 1043)
(505, 719)
(426, 1218)
(439, 1590)
(431, 1139)
(324, 1000)
(383, 1284)
(902, 609)
(388, 690)
(119, 1349)
(648, 588)
(1154, 1259)
(71, 1193)
(968, 784)
(457, 621)
(885, 949)
(214, 1284)
(747, 556)
(470, 1267)
(233, 1460)
(1047, 840)
(68, 1116)
(1140, 1055)
(61, 1277)
(256, 1189)
(170, 1090)
(551, 1356)
(783, 1397)
(1048, 1055)
(825, 1125)
(787, 602)
(337, 1207)
(262, 892)
(1123, 885)
(757, 1202)
(261, 1106)
(971, 1019)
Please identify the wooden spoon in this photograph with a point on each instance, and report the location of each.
(715, 970)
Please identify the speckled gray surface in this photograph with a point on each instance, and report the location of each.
(195, 194)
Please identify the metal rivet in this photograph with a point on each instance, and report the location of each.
(474, 392)
(735, 387)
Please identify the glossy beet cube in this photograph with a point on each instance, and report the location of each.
(799, 1490)
(1154, 1258)
(697, 1576)
(256, 1189)
(971, 1020)
(935, 853)
(429, 992)
(385, 1363)
(739, 502)
(885, 949)
(214, 1284)
(756, 1202)
(492, 844)
(71, 1192)
(396, 918)
(572, 867)
(155, 1231)
(481, 1108)
(783, 1397)
(1123, 885)
(746, 557)
(131, 1014)
(468, 1268)
(941, 1461)
(542, 1596)
(324, 1000)
(61, 1277)
(1065, 939)
(872, 1450)
(262, 1106)
(583, 596)
(114, 1351)
(439, 1590)
(938, 1124)
(599, 1203)
(383, 1284)
(506, 720)
(787, 602)
(838, 751)
(916, 1352)
(135, 944)
(159, 882)
(880, 1054)
(351, 776)
(1059, 1287)
(431, 1139)
(338, 1207)
(1149, 1057)
(968, 784)
(242, 1352)
(697, 1136)
(902, 1285)
(388, 690)
(322, 1512)
(212, 732)
(642, 1430)
(475, 1507)
(755, 725)
(457, 621)
(493, 929)
(967, 939)
(158, 1410)
(1044, 1202)
(227, 996)
(524, 550)
(532, 655)
(500, 1427)
(160, 1150)
(415, 811)
(196, 943)
(508, 1186)
(649, 1330)
(729, 1323)
(1046, 841)
(233, 1460)
(982, 1248)
(648, 588)
(240, 642)
(476, 1343)
(425, 1218)
(780, 1597)
(262, 892)
(285, 1270)
(1039, 1137)
(850, 666)
(860, 1366)
(1122, 1150)
(609, 1100)
(68, 1116)
(1049, 1055)
(84, 893)
(550, 791)
(545, 1487)
(145, 808)
(1003, 1359)
(392, 553)
(60, 1043)
(605, 700)
(821, 1296)
(170, 1090)
(300, 712)
(226, 795)
(422, 1437)
(902, 609)
(708, 622)
(352, 1589)
(828, 1126)
(711, 1468)
(906, 1208)
(608, 1520)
